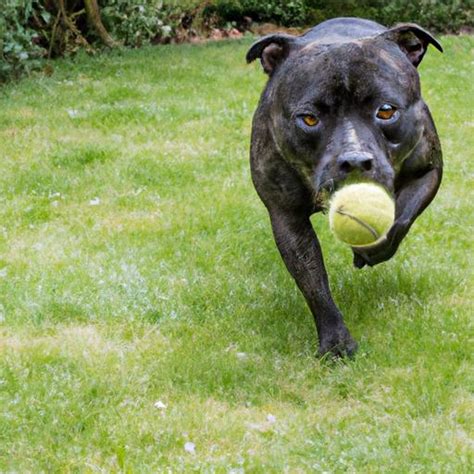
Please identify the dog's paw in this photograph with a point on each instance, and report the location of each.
(384, 250)
(338, 343)
(373, 256)
(359, 261)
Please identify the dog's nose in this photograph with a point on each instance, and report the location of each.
(348, 162)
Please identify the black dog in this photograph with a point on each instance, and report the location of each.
(342, 100)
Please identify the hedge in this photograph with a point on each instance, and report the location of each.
(32, 31)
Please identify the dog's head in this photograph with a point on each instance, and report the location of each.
(347, 109)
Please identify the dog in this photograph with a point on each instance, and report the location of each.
(342, 101)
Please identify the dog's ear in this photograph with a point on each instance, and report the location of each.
(412, 40)
(272, 50)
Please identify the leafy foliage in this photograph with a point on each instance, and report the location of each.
(436, 15)
(32, 30)
(136, 22)
(289, 13)
(19, 48)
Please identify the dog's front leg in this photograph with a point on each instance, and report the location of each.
(301, 252)
(412, 199)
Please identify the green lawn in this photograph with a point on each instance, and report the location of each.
(137, 266)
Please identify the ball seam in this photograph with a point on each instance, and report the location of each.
(359, 221)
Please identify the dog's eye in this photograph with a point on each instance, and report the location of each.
(310, 120)
(386, 112)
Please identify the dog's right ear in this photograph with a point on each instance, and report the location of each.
(272, 51)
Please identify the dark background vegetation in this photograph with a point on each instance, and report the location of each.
(33, 31)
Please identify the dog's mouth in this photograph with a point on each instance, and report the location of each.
(324, 193)
(328, 187)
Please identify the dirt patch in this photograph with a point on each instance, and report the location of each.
(263, 29)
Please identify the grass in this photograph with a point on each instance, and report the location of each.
(137, 265)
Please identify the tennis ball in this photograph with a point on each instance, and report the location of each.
(361, 214)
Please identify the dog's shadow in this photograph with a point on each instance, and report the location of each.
(372, 291)
(366, 297)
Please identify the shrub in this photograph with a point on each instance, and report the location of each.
(31, 30)
(135, 22)
(435, 15)
(289, 13)
(20, 50)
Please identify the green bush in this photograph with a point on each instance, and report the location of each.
(435, 15)
(135, 22)
(20, 50)
(289, 13)
(31, 30)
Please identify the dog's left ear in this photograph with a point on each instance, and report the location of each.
(412, 40)
(272, 51)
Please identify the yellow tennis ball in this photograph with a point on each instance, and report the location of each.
(361, 214)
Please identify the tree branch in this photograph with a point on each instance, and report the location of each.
(93, 16)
